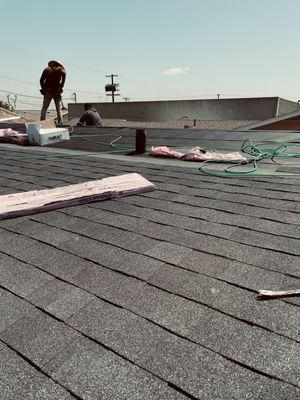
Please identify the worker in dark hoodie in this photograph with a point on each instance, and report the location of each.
(52, 82)
(90, 117)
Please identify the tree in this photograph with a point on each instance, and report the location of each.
(5, 105)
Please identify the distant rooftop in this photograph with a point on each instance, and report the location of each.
(7, 116)
(35, 114)
(256, 108)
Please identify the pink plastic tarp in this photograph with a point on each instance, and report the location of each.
(165, 152)
(196, 154)
(8, 132)
(14, 136)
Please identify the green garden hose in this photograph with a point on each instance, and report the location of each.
(256, 152)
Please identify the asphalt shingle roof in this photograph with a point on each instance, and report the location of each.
(150, 296)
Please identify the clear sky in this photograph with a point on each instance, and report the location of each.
(161, 49)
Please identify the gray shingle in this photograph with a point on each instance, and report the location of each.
(168, 252)
(108, 284)
(7, 190)
(12, 243)
(103, 233)
(45, 233)
(110, 218)
(115, 327)
(19, 380)
(131, 336)
(251, 222)
(176, 208)
(53, 260)
(115, 258)
(12, 308)
(120, 207)
(190, 367)
(232, 300)
(210, 377)
(60, 299)
(273, 242)
(273, 354)
(91, 371)
(38, 336)
(166, 309)
(262, 262)
(252, 199)
(19, 277)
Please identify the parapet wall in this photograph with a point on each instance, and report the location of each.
(215, 109)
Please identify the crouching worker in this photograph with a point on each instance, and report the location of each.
(90, 117)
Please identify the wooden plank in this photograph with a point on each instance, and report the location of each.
(18, 204)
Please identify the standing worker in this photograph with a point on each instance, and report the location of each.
(52, 82)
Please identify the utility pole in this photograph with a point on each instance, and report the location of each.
(113, 87)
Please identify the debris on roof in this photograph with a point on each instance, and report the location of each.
(273, 294)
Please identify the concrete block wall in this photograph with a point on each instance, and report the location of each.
(214, 109)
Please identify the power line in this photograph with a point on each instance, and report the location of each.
(32, 83)
(37, 105)
(31, 97)
(19, 94)
(29, 104)
(17, 80)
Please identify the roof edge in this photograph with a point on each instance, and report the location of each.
(277, 107)
(279, 118)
